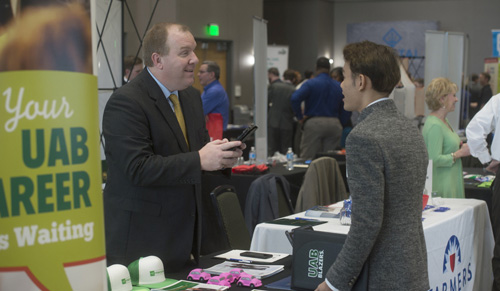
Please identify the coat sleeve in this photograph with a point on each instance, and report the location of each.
(297, 97)
(367, 188)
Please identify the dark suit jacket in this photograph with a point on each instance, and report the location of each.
(484, 96)
(262, 202)
(280, 113)
(153, 191)
(387, 164)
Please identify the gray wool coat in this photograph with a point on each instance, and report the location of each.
(387, 164)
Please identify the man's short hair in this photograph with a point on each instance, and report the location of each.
(155, 40)
(274, 71)
(130, 61)
(290, 75)
(474, 77)
(486, 75)
(378, 62)
(212, 67)
(323, 63)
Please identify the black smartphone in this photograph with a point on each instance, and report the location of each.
(249, 130)
(256, 255)
(245, 134)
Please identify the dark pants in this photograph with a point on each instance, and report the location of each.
(279, 140)
(495, 221)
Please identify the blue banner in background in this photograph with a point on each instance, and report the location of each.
(406, 37)
(496, 42)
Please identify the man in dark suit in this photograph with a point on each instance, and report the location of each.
(156, 148)
(280, 120)
(387, 163)
(486, 92)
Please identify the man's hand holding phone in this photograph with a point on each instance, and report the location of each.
(244, 135)
(220, 154)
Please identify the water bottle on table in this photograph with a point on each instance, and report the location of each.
(345, 212)
(289, 159)
(252, 156)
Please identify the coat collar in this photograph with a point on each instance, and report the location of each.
(379, 106)
(161, 102)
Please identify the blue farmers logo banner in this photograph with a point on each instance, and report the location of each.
(459, 242)
(452, 255)
(460, 273)
(457, 271)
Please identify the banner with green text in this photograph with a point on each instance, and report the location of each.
(51, 212)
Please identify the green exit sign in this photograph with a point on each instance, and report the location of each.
(213, 30)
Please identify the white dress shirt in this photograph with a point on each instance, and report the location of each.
(165, 90)
(487, 120)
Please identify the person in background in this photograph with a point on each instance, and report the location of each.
(57, 37)
(132, 66)
(273, 74)
(214, 97)
(297, 79)
(292, 77)
(324, 114)
(280, 116)
(307, 76)
(475, 92)
(419, 83)
(487, 121)
(298, 127)
(337, 74)
(474, 87)
(156, 149)
(486, 92)
(387, 162)
(443, 144)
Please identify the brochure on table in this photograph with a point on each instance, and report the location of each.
(329, 211)
(259, 271)
(234, 255)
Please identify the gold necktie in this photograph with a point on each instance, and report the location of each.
(178, 114)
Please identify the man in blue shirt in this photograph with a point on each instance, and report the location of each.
(324, 114)
(214, 96)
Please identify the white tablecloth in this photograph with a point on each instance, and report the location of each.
(463, 233)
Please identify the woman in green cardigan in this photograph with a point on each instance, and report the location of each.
(443, 144)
